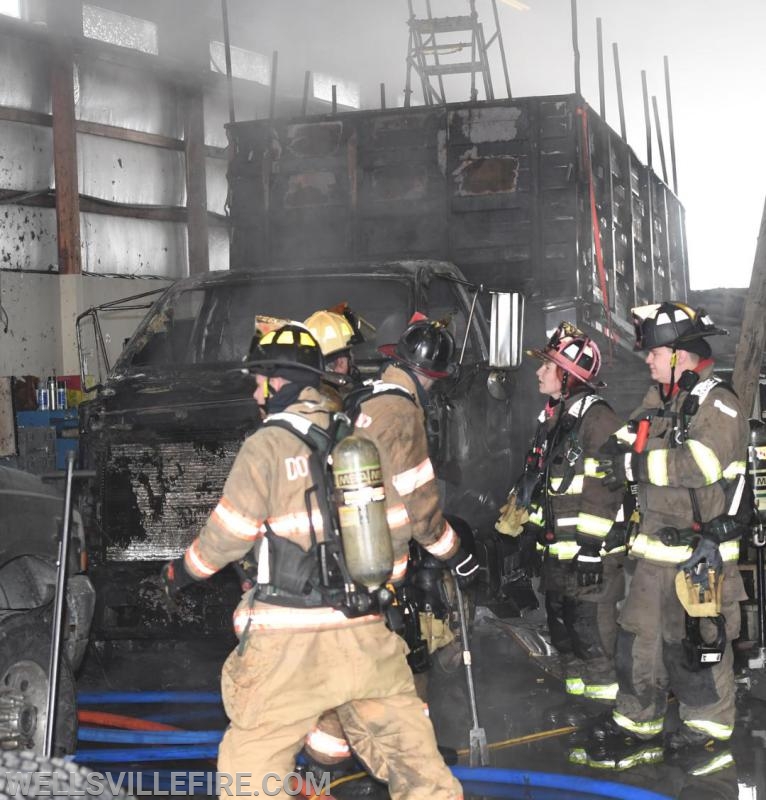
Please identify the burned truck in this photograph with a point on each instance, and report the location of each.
(171, 414)
(391, 211)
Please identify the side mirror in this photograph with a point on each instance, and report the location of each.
(506, 330)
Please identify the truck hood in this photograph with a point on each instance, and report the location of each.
(186, 399)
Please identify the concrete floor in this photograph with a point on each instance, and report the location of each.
(518, 695)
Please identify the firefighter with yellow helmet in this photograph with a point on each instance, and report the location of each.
(336, 333)
(685, 450)
(306, 644)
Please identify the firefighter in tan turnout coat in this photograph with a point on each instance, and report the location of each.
(301, 652)
(685, 450)
(391, 414)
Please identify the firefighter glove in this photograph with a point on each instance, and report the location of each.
(706, 556)
(464, 567)
(174, 578)
(615, 462)
(589, 565)
(512, 517)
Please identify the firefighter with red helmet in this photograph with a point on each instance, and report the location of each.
(685, 450)
(571, 513)
(303, 646)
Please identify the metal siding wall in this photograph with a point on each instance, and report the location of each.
(26, 79)
(124, 246)
(217, 185)
(127, 172)
(28, 238)
(26, 157)
(128, 98)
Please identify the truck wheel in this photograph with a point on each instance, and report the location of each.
(24, 774)
(25, 643)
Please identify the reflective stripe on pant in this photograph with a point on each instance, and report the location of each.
(275, 693)
(649, 652)
(582, 622)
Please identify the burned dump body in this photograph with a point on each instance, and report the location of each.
(503, 189)
(166, 426)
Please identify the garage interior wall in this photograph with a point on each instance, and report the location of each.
(148, 151)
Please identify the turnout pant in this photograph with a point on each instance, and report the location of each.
(276, 691)
(582, 622)
(650, 657)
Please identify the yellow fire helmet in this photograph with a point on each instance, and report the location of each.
(332, 331)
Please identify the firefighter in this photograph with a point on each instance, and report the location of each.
(391, 414)
(336, 334)
(302, 649)
(571, 514)
(685, 451)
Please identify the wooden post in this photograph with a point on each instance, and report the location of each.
(749, 353)
(65, 160)
(196, 182)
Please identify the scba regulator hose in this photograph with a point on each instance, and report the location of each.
(567, 784)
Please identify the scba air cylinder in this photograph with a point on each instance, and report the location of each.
(361, 500)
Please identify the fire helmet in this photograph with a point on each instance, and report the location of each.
(574, 352)
(427, 347)
(290, 352)
(674, 325)
(333, 332)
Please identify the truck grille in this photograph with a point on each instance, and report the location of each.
(156, 497)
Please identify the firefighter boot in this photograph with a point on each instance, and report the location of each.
(686, 738)
(610, 746)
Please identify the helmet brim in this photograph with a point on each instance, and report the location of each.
(389, 350)
(268, 366)
(543, 356)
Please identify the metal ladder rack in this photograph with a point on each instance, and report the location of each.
(437, 47)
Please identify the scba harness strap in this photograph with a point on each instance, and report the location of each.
(327, 581)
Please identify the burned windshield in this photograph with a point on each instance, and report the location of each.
(214, 324)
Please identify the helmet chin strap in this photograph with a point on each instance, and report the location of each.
(673, 361)
(564, 382)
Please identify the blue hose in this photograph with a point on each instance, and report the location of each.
(148, 737)
(188, 715)
(98, 698)
(551, 780)
(109, 755)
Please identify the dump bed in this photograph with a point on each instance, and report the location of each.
(502, 189)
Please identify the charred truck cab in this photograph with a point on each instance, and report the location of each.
(168, 419)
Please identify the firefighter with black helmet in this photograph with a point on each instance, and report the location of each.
(302, 647)
(393, 417)
(684, 449)
(571, 515)
(391, 413)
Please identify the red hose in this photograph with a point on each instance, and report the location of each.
(120, 721)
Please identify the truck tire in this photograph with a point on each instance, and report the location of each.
(25, 643)
(49, 778)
